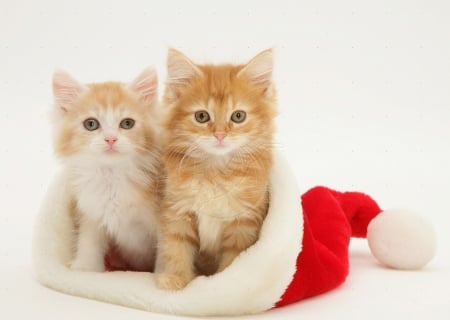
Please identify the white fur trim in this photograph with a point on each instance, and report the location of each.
(254, 282)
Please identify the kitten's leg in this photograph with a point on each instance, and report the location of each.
(92, 245)
(238, 235)
(177, 249)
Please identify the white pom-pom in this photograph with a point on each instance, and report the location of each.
(401, 239)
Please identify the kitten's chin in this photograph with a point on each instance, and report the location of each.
(216, 149)
(111, 152)
(111, 156)
(220, 151)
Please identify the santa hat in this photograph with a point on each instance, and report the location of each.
(302, 251)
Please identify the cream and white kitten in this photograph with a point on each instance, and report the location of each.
(105, 135)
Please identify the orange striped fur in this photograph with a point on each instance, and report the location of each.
(216, 195)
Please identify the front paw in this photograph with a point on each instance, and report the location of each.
(83, 264)
(171, 281)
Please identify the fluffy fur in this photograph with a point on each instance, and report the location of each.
(218, 139)
(112, 165)
(254, 282)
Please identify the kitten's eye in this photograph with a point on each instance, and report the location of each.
(127, 123)
(238, 116)
(91, 124)
(202, 116)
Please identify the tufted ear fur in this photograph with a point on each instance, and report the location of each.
(145, 85)
(66, 90)
(180, 69)
(259, 69)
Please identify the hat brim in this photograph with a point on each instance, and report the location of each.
(253, 283)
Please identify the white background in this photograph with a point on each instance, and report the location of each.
(364, 100)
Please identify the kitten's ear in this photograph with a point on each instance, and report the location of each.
(259, 69)
(145, 85)
(180, 69)
(66, 89)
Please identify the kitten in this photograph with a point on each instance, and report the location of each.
(105, 137)
(218, 127)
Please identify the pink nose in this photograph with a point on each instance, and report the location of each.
(220, 135)
(110, 140)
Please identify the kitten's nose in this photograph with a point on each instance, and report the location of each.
(220, 135)
(110, 140)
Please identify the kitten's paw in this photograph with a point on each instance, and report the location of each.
(80, 264)
(171, 281)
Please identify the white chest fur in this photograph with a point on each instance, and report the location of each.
(214, 205)
(102, 195)
(210, 232)
(109, 197)
(209, 199)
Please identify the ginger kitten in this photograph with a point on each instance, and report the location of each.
(219, 127)
(105, 138)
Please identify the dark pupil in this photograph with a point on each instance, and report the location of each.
(202, 116)
(238, 115)
(91, 123)
(127, 123)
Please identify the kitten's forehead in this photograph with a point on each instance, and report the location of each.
(214, 104)
(108, 95)
(223, 103)
(110, 115)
